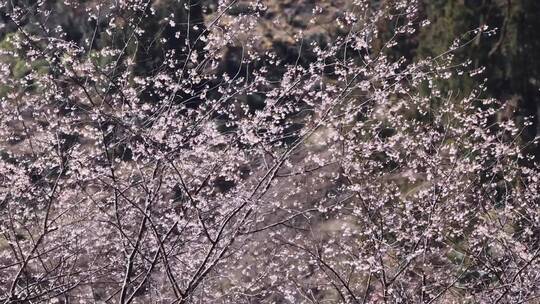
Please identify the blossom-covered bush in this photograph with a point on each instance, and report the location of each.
(180, 151)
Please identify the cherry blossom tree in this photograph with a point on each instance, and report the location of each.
(180, 151)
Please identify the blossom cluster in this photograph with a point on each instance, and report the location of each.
(179, 151)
